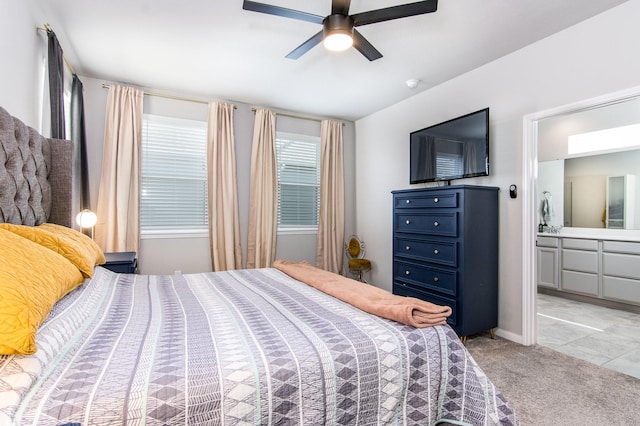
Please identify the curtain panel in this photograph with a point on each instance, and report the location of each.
(222, 187)
(330, 240)
(263, 197)
(118, 227)
(55, 67)
(79, 138)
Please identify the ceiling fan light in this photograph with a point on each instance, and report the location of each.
(338, 32)
(338, 41)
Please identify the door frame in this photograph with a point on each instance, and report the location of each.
(529, 208)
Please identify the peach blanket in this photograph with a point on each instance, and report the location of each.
(371, 299)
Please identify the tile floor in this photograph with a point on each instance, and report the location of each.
(600, 335)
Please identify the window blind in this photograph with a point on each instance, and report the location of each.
(448, 165)
(298, 159)
(174, 175)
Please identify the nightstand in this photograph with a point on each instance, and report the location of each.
(123, 262)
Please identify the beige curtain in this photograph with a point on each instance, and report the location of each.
(263, 198)
(330, 240)
(224, 228)
(118, 210)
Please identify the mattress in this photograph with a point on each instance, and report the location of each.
(241, 347)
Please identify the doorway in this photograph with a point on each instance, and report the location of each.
(530, 200)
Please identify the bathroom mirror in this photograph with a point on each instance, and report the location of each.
(589, 167)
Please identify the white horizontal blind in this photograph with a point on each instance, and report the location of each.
(298, 158)
(448, 165)
(174, 175)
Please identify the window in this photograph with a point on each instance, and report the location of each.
(174, 176)
(448, 164)
(68, 85)
(298, 159)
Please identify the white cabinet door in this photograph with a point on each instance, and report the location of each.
(548, 267)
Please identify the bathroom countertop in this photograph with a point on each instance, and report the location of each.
(595, 234)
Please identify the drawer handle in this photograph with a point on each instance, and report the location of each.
(435, 200)
(436, 251)
(436, 279)
(408, 222)
(407, 248)
(407, 272)
(408, 201)
(436, 224)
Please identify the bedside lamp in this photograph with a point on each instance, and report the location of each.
(87, 219)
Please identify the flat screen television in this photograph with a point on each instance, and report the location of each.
(455, 149)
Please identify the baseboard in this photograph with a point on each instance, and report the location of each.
(517, 338)
(611, 304)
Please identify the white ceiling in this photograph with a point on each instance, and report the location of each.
(213, 49)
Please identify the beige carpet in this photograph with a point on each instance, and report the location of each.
(549, 388)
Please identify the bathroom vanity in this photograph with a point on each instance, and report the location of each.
(599, 267)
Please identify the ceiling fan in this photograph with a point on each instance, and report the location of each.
(338, 29)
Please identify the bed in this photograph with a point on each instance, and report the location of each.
(230, 348)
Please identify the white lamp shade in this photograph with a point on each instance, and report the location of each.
(86, 218)
(338, 41)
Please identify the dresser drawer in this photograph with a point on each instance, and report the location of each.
(440, 200)
(444, 224)
(621, 247)
(410, 291)
(621, 289)
(582, 261)
(579, 244)
(580, 282)
(440, 280)
(442, 252)
(621, 265)
(547, 242)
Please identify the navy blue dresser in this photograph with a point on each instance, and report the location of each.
(445, 251)
(123, 262)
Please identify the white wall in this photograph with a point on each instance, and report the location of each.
(23, 52)
(587, 60)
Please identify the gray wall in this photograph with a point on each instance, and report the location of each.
(590, 59)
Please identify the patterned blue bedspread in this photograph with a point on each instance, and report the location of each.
(247, 347)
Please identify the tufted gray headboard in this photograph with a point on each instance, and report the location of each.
(36, 175)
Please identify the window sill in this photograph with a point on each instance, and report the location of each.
(167, 234)
(297, 231)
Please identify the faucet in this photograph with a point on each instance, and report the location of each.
(555, 229)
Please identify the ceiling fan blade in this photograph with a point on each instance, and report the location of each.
(306, 46)
(340, 7)
(281, 11)
(395, 12)
(363, 46)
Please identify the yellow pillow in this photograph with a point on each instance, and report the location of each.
(32, 279)
(86, 242)
(76, 247)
